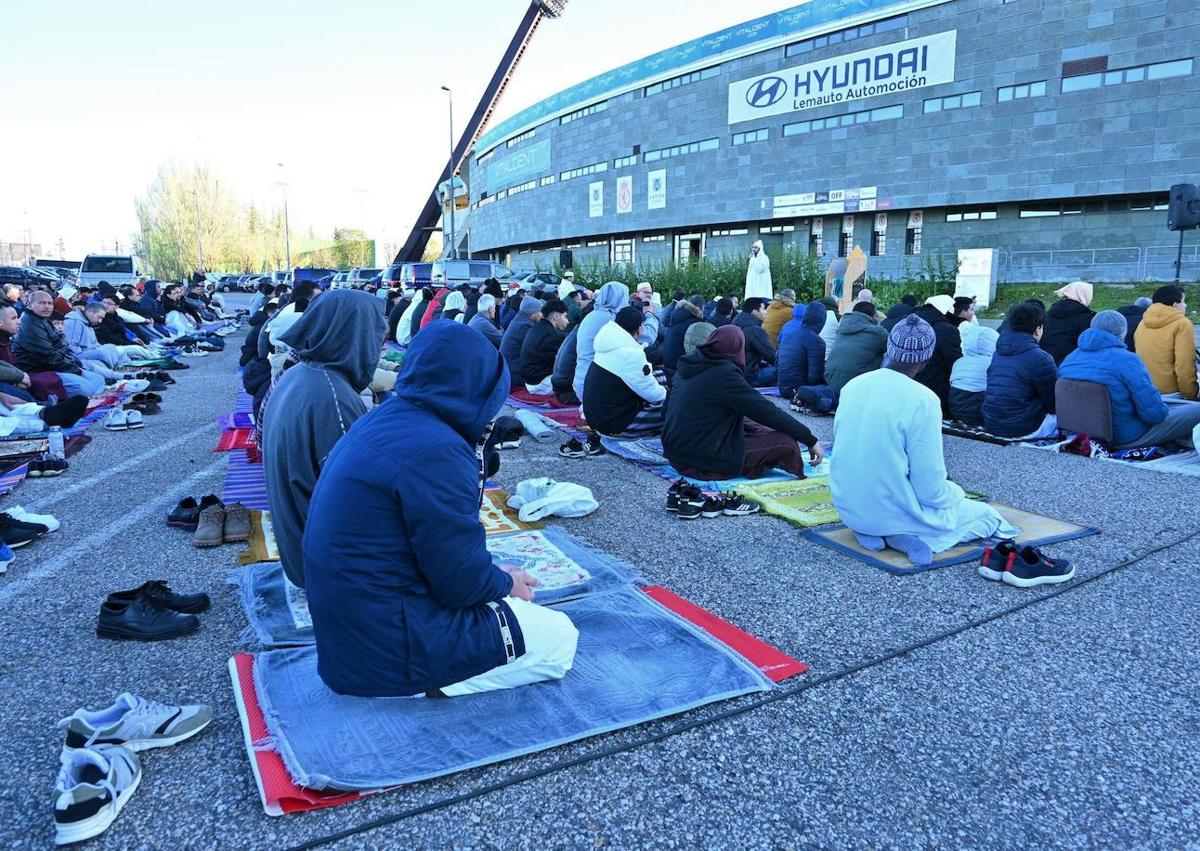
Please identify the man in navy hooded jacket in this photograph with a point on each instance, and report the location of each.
(404, 596)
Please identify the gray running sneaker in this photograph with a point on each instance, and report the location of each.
(93, 786)
(135, 723)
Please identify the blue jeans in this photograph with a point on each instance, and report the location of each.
(767, 376)
(19, 392)
(88, 384)
(817, 396)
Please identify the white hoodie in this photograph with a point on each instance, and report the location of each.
(619, 353)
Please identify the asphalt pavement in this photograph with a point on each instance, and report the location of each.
(1072, 723)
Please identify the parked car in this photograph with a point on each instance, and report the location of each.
(455, 272)
(414, 275)
(358, 278)
(22, 276)
(339, 280)
(116, 269)
(279, 277)
(316, 275)
(534, 283)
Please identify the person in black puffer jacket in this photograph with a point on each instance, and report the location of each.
(948, 348)
(1066, 319)
(718, 427)
(684, 316)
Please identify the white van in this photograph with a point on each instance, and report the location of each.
(116, 269)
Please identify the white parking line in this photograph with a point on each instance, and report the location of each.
(85, 550)
(59, 495)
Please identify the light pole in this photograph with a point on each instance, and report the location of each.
(199, 230)
(287, 240)
(452, 252)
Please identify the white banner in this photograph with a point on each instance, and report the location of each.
(596, 199)
(848, 225)
(978, 270)
(916, 220)
(625, 194)
(912, 64)
(818, 226)
(656, 194)
(881, 223)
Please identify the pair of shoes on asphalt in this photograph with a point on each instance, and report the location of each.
(19, 527)
(99, 770)
(48, 466)
(129, 385)
(218, 523)
(124, 419)
(1023, 567)
(147, 404)
(193, 352)
(690, 503)
(152, 377)
(573, 448)
(150, 612)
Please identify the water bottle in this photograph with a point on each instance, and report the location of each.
(57, 448)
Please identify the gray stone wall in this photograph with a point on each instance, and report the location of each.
(1121, 140)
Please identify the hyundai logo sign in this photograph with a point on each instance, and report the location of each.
(766, 92)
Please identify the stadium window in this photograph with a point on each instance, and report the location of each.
(524, 187)
(883, 113)
(583, 113)
(849, 34)
(1133, 74)
(953, 102)
(751, 136)
(731, 232)
(1039, 210)
(658, 237)
(516, 140)
(483, 159)
(682, 80)
(816, 244)
(594, 168)
(912, 241)
(596, 243)
(548, 179)
(844, 244)
(679, 150)
(622, 251)
(970, 214)
(625, 162)
(878, 244)
(1021, 92)
(777, 229)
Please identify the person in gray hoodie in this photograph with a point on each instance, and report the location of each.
(528, 315)
(337, 340)
(611, 297)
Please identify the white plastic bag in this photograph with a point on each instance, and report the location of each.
(538, 498)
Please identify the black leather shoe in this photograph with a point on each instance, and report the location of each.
(185, 515)
(143, 620)
(158, 592)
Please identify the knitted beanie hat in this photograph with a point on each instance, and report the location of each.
(911, 341)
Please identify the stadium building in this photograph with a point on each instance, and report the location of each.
(1049, 130)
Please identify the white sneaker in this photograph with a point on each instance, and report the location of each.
(93, 785)
(135, 723)
(47, 520)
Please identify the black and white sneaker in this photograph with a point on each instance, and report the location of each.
(134, 723)
(93, 786)
(679, 493)
(738, 506)
(997, 560)
(17, 533)
(713, 506)
(594, 446)
(573, 449)
(1030, 568)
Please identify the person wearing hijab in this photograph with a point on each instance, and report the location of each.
(411, 318)
(314, 403)
(1066, 319)
(937, 312)
(968, 377)
(609, 299)
(719, 427)
(758, 274)
(407, 600)
(456, 307)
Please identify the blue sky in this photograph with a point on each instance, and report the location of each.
(97, 95)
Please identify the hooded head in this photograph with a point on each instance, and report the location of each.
(696, 334)
(455, 301)
(342, 331)
(457, 375)
(814, 315)
(830, 303)
(726, 342)
(1112, 322)
(979, 341)
(612, 297)
(1080, 291)
(758, 245)
(151, 289)
(943, 304)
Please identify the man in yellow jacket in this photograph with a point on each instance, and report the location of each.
(1166, 342)
(779, 313)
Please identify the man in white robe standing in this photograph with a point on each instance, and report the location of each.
(758, 274)
(888, 475)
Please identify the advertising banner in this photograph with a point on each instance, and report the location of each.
(529, 161)
(596, 199)
(656, 195)
(881, 223)
(625, 194)
(892, 68)
(916, 219)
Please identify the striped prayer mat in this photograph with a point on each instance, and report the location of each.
(245, 482)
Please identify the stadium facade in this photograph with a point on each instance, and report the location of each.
(1049, 130)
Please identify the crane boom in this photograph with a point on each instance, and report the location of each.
(426, 222)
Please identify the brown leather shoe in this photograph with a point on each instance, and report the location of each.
(237, 523)
(210, 531)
